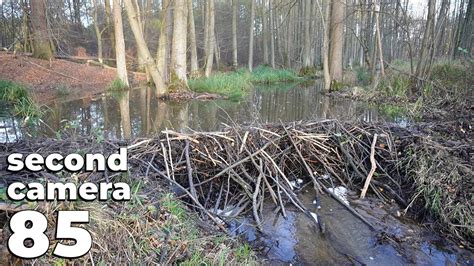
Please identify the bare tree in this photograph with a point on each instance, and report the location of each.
(210, 37)
(192, 40)
(98, 32)
(379, 39)
(143, 49)
(163, 51)
(252, 25)
(336, 40)
(307, 35)
(179, 44)
(424, 65)
(120, 43)
(40, 36)
(235, 62)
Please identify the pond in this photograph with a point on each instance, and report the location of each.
(137, 113)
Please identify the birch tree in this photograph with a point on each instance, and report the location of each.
(235, 62)
(192, 40)
(252, 25)
(210, 37)
(179, 44)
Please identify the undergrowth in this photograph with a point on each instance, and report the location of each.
(236, 84)
(117, 85)
(441, 181)
(154, 227)
(17, 96)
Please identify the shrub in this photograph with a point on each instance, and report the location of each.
(363, 75)
(17, 96)
(117, 85)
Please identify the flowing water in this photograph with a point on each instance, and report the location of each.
(138, 113)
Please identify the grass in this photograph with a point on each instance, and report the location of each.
(440, 178)
(117, 85)
(62, 90)
(17, 96)
(235, 85)
(154, 227)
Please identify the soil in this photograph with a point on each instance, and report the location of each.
(44, 78)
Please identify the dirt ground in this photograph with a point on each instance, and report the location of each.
(46, 78)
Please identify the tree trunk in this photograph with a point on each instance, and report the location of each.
(179, 44)
(307, 35)
(379, 39)
(98, 33)
(109, 28)
(25, 26)
(272, 35)
(41, 43)
(192, 40)
(336, 41)
(163, 52)
(252, 22)
(266, 31)
(120, 43)
(235, 60)
(423, 66)
(143, 49)
(141, 58)
(211, 38)
(325, 22)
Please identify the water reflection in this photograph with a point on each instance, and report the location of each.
(138, 113)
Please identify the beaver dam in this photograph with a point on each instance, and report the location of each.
(423, 170)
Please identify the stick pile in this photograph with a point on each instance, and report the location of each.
(233, 172)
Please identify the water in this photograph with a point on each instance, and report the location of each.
(138, 113)
(346, 240)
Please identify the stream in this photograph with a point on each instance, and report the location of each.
(294, 239)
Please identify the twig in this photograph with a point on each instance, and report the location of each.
(372, 170)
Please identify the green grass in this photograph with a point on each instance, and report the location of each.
(236, 84)
(12, 92)
(233, 85)
(117, 85)
(267, 75)
(17, 96)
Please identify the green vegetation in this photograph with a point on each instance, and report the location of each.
(363, 75)
(267, 75)
(308, 72)
(117, 85)
(62, 90)
(154, 227)
(235, 85)
(17, 96)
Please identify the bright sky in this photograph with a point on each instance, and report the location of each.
(418, 7)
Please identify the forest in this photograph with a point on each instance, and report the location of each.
(257, 131)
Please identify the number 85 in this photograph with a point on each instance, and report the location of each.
(31, 225)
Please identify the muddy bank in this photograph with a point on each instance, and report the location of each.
(47, 79)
